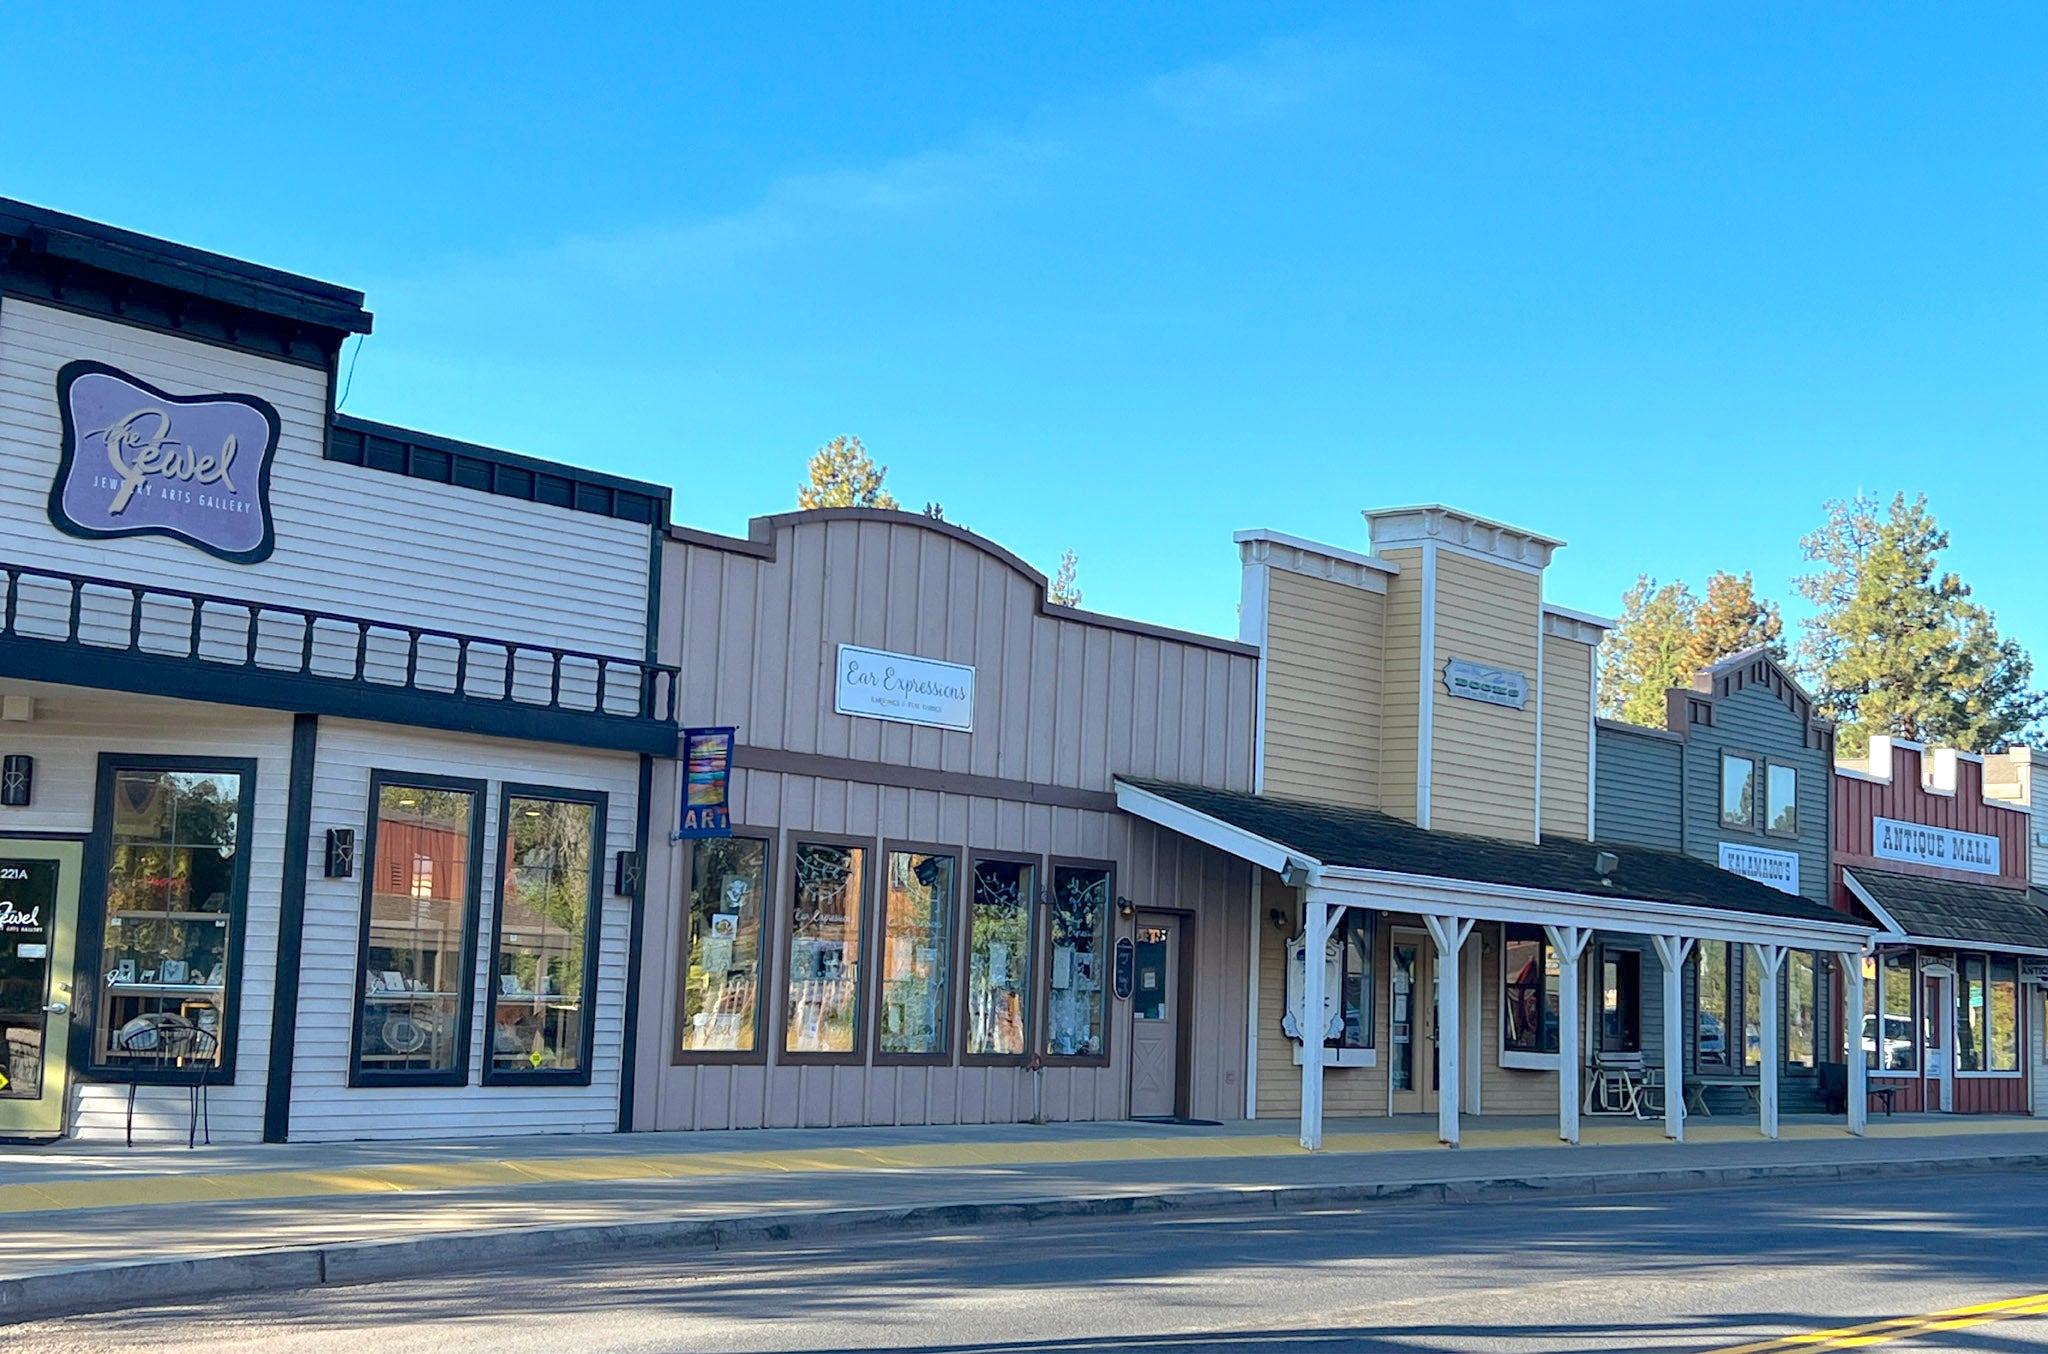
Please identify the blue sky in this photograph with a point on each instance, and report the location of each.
(1654, 279)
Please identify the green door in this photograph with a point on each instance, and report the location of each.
(38, 918)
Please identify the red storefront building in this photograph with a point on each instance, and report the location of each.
(1921, 852)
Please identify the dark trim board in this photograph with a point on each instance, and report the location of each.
(918, 778)
(291, 929)
(507, 474)
(629, 1039)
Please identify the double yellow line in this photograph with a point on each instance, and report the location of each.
(1900, 1327)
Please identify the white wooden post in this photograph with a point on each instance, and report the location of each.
(1317, 921)
(1852, 1043)
(1771, 959)
(1570, 944)
(1449, 933)
(1672, 952)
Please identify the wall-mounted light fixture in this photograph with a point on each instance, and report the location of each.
(626, 874)
(1125, 907)
(1605, 863)
(341, 852)
(1278, 918)
(17, 779)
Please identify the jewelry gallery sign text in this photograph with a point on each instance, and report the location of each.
(878, 684)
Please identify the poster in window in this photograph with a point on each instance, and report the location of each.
(707, 783)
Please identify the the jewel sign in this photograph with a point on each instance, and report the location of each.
(138, 461)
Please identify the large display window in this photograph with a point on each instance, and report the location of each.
(821, 1018)
(173, 865)
(1078, 962)
(1529, 998)
(1002, 901)
(723, 976)
(544, 935)
(915, 957)
(416, 949)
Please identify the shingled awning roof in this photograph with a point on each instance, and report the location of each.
(1332, 835)
(1982, 916)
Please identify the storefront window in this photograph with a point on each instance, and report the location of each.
(1530, 1021)
(823, 1015)
(1781, 800)
(722, 975)
(1080, 935)
(999, 958)
(541, 975)
(917, 942)
(413, 980)
(1802, 1007)
(1710, 1035)
(1752, 1013)
(1355, 937)
(177, 849)
(1987, 1014)
(1621, 1001)
(1738, 791)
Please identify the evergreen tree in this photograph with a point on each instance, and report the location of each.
(1731, 619)
(1064, 591)
(843, 475)
(1897, 646)
(1648, 652)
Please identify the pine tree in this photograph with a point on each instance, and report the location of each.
(1648, 652)
(1896, 645)
(1732, 619)
(1063, 591)
(843, 475)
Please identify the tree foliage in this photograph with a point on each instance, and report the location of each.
(1064, 590)
(843, 475)
(1897, 646)
(1667, 633)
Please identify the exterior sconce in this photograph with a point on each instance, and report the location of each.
(626, 874)
(17, 780)
(1125, 907)
(1605, 863)
(341, 852)
(1278, 918)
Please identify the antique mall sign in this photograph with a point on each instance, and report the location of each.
(139, 462)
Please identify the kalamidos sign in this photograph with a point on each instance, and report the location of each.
(140, 462)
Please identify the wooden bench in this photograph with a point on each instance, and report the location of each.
(1697, 1086)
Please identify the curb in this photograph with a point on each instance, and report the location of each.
(108, 1287)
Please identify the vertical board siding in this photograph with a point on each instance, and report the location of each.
(1754, 721)
(70, 731)
(1567, 715)
(1401, 720)
(1483, 757)
(1636, 782)
(324, 1106)
(1324, 651)
(1905, 797)
(446, 552)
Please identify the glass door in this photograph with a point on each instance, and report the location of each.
(1411, 1005)
(38, 918)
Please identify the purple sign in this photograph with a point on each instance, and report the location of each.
(137, 462)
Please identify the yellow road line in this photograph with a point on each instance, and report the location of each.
(1900, 1327)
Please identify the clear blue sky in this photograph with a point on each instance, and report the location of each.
(1657, 279)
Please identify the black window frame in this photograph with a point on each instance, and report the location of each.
(593, 931)
(1628, 963)
(92, 916)
(381, 780)
(1350, 920)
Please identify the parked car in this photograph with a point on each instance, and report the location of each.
(1898, 1043)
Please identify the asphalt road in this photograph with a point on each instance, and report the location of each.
(1696, 1271)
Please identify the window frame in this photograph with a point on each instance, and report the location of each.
(1874, 1009)
(1960, 988)
(1367, 1053)
(593, 931)
(1530, 1060)
(771, 905)
(858, 1054)
(1756, 793)
(1767, 818)
(380, 780)
(1111, 933)
(1736, 966)
(950, 951)
(1041, 876)
(1634, 960)
(1818, 1004)
(92, 917)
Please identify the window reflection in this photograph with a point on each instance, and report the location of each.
(1080, 929)
(547, 888)
(413, 979)
(823, 1014)
(916, 944)
(722, 982)
(999, 957)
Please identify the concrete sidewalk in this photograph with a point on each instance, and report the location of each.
(84, 1226)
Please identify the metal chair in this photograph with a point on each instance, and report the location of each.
(162, 1040)
(1616, 1084)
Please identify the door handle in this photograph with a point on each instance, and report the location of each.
(56, 1008)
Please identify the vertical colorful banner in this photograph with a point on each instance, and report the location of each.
(707, 783)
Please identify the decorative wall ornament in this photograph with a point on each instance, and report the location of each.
(1494, 686)
(138, 461)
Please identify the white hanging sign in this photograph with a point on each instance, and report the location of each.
(1333, 987)
(1918, 844)
(877, 684)
(1773, 869)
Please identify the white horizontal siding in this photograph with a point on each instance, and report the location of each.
(349, 540)
(70, 731)
(324, 1107)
